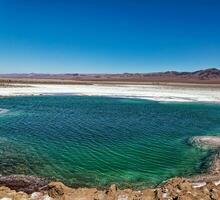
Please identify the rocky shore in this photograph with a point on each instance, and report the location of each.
(203, 187)
(176, 188)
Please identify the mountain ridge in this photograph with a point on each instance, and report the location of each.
(209, 75)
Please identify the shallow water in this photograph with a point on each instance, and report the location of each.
(96, 141)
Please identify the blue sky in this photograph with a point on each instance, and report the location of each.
(108, 36)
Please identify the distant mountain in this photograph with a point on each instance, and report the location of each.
(207, 74)
(211, 75)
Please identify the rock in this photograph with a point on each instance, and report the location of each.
(111, 192)
(28, 184)
(122, 197)
(81, 193)
(187, 196)
(149, 194)
(173, 189)
(206, 141)
(36, 196)
(8, 194)
(113, 188)
(56, 189)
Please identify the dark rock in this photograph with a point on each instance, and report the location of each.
(28, 184)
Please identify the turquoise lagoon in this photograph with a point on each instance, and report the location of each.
(97, 141)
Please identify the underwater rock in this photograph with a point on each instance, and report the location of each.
(206, 141)
(2, 111)
(28, 184)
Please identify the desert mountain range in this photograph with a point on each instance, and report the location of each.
(210, 75)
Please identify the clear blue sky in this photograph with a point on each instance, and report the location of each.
(97, 36)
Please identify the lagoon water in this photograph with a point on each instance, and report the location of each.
(97, 141)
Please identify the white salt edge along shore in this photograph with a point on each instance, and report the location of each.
(206, 141)
(162, 93)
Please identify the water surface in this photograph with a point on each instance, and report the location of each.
(97, 141)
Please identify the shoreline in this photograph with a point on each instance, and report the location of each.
(161, 93)
(212, 143)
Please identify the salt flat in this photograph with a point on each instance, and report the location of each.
(152, 92)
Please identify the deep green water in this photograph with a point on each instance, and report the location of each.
(96, 141)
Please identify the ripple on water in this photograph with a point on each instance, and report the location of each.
(96, 141)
